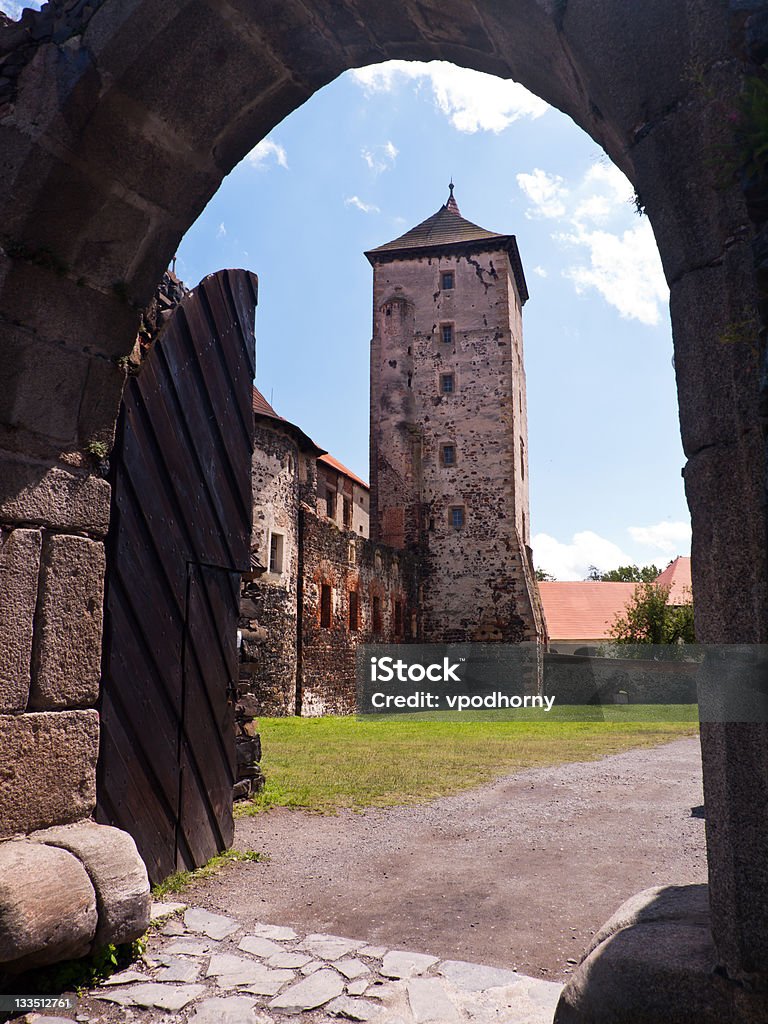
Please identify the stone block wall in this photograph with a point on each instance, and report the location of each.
(50, 661)
(384, 581)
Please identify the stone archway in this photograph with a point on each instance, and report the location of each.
(118, 123)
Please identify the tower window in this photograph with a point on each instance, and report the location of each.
(446, 280)
(448, 454)
(353, 611)
(457, 517)
(276, 553)
(447, 383)
(325, 605)
(446, 333)
(522, 458)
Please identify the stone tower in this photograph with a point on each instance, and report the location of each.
(449, 460)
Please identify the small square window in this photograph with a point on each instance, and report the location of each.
(446, 280)
(447, 383)
(446, 333)
(457, 517)
(276, 553)
(448, 454)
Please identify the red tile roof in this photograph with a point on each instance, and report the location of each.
(340, 468)
(677, 576)
(583, 610)
(262, 406)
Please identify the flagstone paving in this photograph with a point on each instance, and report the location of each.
(205, 968)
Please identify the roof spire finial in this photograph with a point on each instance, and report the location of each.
(452, 205)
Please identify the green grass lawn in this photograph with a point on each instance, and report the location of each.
(322, 764)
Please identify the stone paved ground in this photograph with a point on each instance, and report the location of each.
(205, 968)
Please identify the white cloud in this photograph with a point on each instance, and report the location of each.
(540, 272)
(669, 538)
(380, 158)
(222, 231)
(264, 152)
(572, 561)
(358, 203)
(471, 100)
(13, 8)
(547, 192)
(625, 269)
(615, 254)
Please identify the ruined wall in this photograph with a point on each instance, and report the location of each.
(281, 476)
(350, 503)
(475, 579)
(382, 578)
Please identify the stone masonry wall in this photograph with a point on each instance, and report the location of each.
(475, 580)
(268, 604)
(346, 563)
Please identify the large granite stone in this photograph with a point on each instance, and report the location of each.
(654, 960)
(47, 769)
(117, 873)
(47, 906)
(19, 571)
(36, 492)
(66, 667)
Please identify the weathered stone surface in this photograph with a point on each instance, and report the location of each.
(162, 910)
(117, 873)
(36, 492)
(56, 785)
(351, 968)
(229, 1010)
(236, 972)
(261, 947)
(314, 991)
(191, 947)
(185, 971)
(358, 987)
(66, 664)
(272, 931)
(374, 952)
(19, 571)
(329, 947)
(476, 977)
(429, 1001)
(215, 926)
(164, 997)
(47, 906)
(286, 958)
(398, 963)
(125, 978)
(654, 960)
(353, 1009)
(173, 927)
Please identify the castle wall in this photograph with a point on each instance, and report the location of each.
(382, 578)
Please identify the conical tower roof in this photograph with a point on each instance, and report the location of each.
(447, 231)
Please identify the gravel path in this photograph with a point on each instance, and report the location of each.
(519, 873)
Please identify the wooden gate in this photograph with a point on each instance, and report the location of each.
(179, 537)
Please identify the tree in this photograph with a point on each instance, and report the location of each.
(543, 577)
(625, 574)
(648, 619)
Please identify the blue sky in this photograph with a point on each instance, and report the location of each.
(371, 155)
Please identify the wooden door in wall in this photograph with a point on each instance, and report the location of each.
(179, 537)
